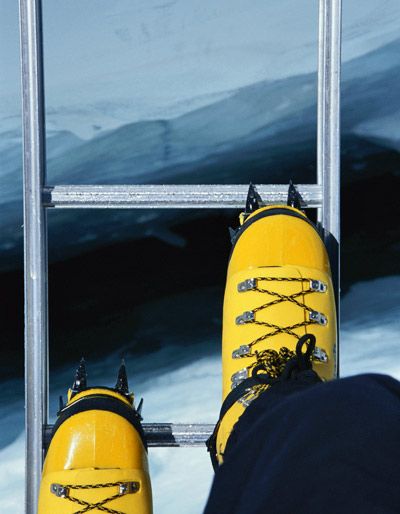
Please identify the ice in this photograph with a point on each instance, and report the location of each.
(149, 92)
(207, 73)
(12, 477)
(123, 61)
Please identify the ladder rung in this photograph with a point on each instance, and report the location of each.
(165, 434)
(145, 196)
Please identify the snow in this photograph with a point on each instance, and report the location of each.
(141, 92)
(386, 130)
(179, 387)
(217, 74)
(264, 122)
(123, 61)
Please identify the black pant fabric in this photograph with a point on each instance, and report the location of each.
(323, 448)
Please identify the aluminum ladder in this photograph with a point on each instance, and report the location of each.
(40, 196)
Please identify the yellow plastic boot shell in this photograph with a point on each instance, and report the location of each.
(96, 447)
(138, 502)
(278, 240)
(278, 245)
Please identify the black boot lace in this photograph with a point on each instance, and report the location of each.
(64, 491)
(271, 361)
(295, 365)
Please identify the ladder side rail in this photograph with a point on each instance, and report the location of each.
(35, 246)
(328, 138)
(328, 135)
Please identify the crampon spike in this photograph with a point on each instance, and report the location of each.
(294, 198)
(232, 234)
(253, 201)
(140, 407)
(80, 382)
(122, 381)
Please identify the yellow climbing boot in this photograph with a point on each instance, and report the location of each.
(278, 296)
(97, 457)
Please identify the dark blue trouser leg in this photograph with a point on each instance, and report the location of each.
(326, 448)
